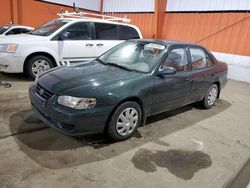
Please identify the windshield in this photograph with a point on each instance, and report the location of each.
(3, 29)
(134, 55)
(49, 28)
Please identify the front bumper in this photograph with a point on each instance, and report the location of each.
(10, 63)
(66, 120)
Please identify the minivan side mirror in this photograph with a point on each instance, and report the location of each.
(64, 35)
(166, 71)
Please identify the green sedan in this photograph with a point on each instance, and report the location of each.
(116, 92)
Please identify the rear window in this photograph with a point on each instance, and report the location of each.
(126, 32)
(106, 31)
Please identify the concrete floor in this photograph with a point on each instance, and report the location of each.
(187, 147)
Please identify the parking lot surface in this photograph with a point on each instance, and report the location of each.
(186, 147)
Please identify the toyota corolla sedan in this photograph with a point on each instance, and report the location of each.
(116, 92)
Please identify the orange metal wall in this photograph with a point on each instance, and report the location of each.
(221, 32)
(144, 21)
(5, 11)
(30, 12)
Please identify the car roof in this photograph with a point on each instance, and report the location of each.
(95, 20)
(167, 42)
(15, 25)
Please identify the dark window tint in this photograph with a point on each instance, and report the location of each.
(126, 33)
(210, 62)
(3, 29)
(78, 31)
(24, 30)
(106, 31)
(198, 58)
(177, 59)
(14, 31)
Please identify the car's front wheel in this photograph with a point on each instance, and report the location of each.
(124, 121)
(37, 64)
(211, 96)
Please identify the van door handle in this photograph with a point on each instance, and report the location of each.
(99, 45)
(89, 44)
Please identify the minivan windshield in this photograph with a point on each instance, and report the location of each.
(49, 28)
(3, 29)
(134, 55)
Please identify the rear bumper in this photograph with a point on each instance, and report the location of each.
(10, 63)
(69, 121)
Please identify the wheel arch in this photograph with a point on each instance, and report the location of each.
(219, 87)
(36, 54)
(133, 99)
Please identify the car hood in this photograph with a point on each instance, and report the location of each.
(18, 39)
(85, 79)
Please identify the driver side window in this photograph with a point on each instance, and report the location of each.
(177, 59)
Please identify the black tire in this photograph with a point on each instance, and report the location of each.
(28, 67)
(112, 128)
(205, 102)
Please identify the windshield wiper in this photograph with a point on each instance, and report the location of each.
(117, 65)
(101, 61)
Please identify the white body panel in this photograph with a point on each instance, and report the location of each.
(63, 52)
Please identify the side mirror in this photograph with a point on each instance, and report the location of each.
(64, 35)
(167, 71)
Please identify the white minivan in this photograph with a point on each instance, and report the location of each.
(61, 42)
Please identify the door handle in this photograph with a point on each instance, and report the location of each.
(89, 44)
(99, 45)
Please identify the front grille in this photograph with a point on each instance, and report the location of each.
(43, 93)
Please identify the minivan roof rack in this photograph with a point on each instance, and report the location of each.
(91, 15)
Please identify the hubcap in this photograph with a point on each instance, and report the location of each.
(127, 121)
(40, 66)
(212, 96)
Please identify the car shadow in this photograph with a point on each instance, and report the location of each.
(14, 77)
(54, 150)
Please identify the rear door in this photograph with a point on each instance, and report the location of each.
(202, 72)
(172, 91)
(106, 37)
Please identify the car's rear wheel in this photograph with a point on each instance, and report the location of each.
(124, 121)
(38, 64)
(211, 96)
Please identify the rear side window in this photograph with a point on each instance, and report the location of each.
(126, 32)
(78, 31)
(24, 30)
(198, 58)
(14, 31)
(106, 31)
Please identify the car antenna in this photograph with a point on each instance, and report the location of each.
(75, 8)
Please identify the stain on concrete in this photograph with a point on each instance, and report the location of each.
(181, 163)
(138, 135)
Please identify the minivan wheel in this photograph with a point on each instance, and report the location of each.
(211, 96)
(124, 121)
(38, 64)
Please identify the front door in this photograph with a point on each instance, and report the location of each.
(172, 91)
(78, 46)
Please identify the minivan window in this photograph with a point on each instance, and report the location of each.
(49, 28)
(126, 32)
(14, 31)
(78, 31)
(3, 29)
(106, 31)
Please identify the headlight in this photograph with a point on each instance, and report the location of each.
(9, 48)
(77, 103)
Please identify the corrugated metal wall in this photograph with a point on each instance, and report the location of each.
(128, 5)
(207, 5)
(141, 12)
(221, 32)
(93, 5)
